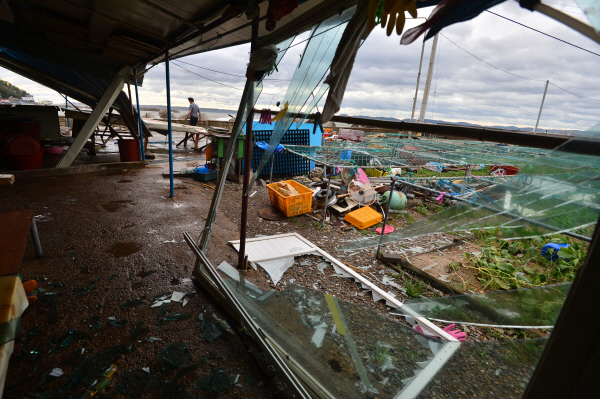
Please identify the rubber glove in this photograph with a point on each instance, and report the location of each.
(281, 113)
(459, 335)
(395, 9)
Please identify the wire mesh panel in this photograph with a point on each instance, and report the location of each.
(286, 163)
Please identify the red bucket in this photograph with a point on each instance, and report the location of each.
(129, 150)
(24, 162)
(510, 170)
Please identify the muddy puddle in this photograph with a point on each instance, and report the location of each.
(113, 206)
(122, 249)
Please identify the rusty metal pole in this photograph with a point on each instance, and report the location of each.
(242, 259)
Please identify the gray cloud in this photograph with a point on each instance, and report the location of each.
(384, 76)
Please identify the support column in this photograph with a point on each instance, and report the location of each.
(170, 123)
(242, 264)
(428, 81)
(106, 101)
(541, 107)
(137, 100)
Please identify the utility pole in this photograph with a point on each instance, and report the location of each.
(412, 116)
(541, 106)
(428, 81)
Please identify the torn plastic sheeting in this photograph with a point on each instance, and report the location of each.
(316, 60)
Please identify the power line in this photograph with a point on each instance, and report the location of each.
(214, 81)
(514, 74)
(226, 73)
(543, 33)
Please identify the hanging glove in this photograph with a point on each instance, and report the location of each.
(459, 335)
(395, 10)
(281, 113)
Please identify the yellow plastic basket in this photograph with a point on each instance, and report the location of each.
(293, 205)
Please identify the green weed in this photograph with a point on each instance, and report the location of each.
(422, 209)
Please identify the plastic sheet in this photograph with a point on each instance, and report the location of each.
(539, 201)
(316, 60)
(590, 8)
(526, 308)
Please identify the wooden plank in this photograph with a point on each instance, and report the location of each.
(14, 227)
(7, 180)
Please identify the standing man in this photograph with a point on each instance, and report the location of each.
(194, 115)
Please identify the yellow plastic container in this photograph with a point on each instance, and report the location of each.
(293, 205)
(372, 172)
(364, 217)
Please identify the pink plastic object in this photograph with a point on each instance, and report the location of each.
(440, 198)
(53, 149)
(459, 335)
(388, 229)
(362, 176)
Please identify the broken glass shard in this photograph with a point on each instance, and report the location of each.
(137, 331)
(156, 382)
(133, 382)
(211, 329)
(117, 323)
(154, 339)
(177, 316)
(176, 297)
(176, 354)
(218, 381)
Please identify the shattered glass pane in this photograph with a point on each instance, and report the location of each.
(91, 369)
(487, 367)
(137, 331)
(218, 381)
(133, 382)
(156, 382)
(305, 324)
(554, 193)
(211, 329)
(176, 354)
(525, 308)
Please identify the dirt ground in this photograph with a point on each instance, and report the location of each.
(108, 240)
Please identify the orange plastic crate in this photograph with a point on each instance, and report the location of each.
(364, 217)
(293, 205)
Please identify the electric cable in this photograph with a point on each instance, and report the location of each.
(543, 33)
(226, 73)
(519, 76)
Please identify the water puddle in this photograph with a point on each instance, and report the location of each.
(113, 206)
(122, 249)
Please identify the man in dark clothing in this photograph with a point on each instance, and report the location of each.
(193, 113)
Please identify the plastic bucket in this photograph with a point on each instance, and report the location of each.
(129, 150)
(24, 162)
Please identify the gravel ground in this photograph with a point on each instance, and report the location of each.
(112, 239)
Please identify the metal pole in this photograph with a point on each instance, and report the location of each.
(326, 194)
(242, 262)
(412, 116)
(170, 123)
(137, 100)
(385, 217)
(541, 106)
(67, 106)
(428, 81)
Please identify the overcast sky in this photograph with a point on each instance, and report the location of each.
(385, 73)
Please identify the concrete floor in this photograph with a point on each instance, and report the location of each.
(106, 240)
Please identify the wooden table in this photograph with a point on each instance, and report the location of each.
(14, 226)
